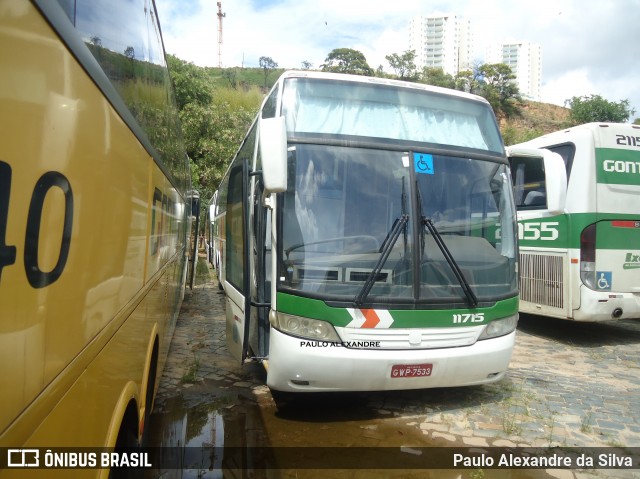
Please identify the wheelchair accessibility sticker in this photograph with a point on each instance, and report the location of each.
(423, 163)
(603, 280)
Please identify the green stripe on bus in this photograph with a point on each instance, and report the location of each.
(609, 236)
(619, 167)
(551, 232)
(563, 231)
(402, 318)
(312, 308)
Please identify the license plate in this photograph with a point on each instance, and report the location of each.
(411, 370)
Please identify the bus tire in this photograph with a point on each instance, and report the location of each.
(149, 398)
(127, 441)
(284, 400)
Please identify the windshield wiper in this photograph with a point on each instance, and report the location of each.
(464, 284)
(398, 225)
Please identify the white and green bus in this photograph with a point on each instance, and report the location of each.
(358, 225)
(581, 260)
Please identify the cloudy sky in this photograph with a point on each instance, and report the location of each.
(587, 47)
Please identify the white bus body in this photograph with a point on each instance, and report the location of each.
(582, 263)
(368, 237)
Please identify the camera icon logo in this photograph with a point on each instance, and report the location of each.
(23, 458)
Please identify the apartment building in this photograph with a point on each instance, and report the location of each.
(525, 60)
(441, 41)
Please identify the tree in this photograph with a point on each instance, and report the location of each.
(267, 64)
(212, 134)
(500, 89)
(469, 81)
(346, 60)
(590, 108)
(231, 74)
(437, 77)
(213, 125)
(496, 83)
(190, 82)
(306, 65)
(130, 53)
(404, 65)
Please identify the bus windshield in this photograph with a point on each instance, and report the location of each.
(342, 205)
(373, 110)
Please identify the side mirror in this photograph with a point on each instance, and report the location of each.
(194, 198)
(273, 153)
(536, 164)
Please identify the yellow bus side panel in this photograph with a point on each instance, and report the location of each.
(56, 123)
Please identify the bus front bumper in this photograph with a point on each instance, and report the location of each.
(299, 365)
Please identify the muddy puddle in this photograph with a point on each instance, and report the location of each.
(212, 430)
(206, 433)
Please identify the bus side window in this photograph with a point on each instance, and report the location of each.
(568, 152)
(234, 261)
(529, 183)
(269, 109)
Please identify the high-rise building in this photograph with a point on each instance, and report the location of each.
(441, 41)
(525, 60)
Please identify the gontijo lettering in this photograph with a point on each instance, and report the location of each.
(620, 166)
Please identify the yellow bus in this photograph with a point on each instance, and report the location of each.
(93, 223)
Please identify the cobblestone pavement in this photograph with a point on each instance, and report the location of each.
(569, 384)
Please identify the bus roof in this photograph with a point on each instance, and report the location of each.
(593, 129)
(378, 81)
(594, 126)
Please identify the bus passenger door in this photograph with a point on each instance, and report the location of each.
(237, 273)
(539, 179)
(261, 279)
(539, 188)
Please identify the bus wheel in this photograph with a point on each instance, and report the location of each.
(151, 383)
(127, 441)
(285, 401)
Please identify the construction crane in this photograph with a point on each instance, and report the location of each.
(220, 17)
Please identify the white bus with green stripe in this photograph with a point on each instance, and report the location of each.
(582, 261)
(359, 226)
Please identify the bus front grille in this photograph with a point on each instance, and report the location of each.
(416, 338)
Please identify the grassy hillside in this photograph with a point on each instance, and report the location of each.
(536, 119)
(243, 77)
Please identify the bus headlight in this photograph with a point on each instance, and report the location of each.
(499, 327)
(306, 328)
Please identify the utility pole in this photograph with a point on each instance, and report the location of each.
(220, 17)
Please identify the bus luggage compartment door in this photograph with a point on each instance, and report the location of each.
(235, 327)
